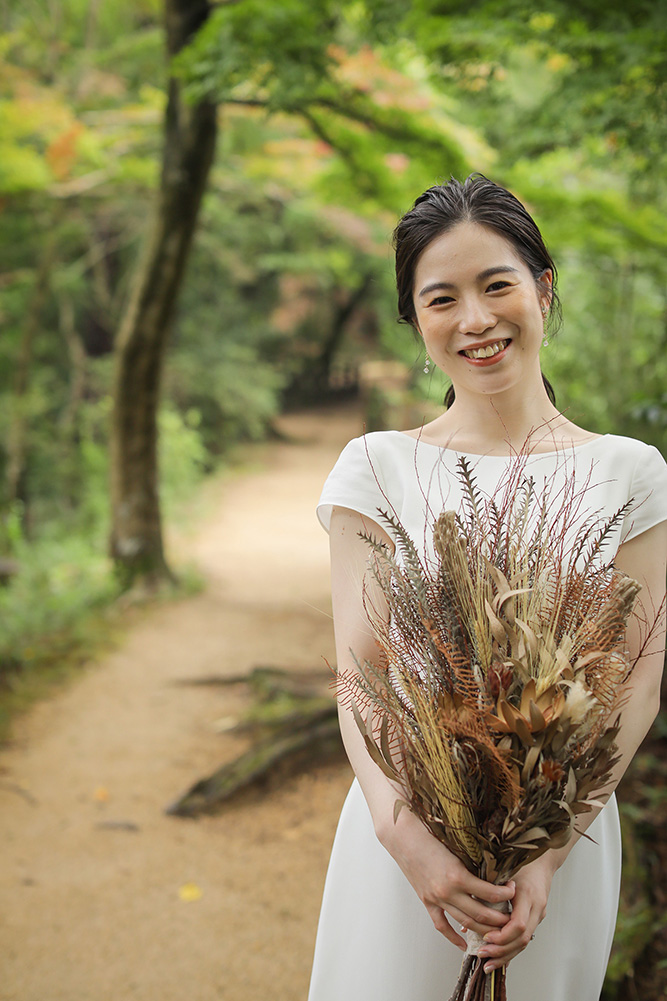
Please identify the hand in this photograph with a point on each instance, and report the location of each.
(529, 906)
(442, 882)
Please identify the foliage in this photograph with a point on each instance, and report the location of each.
(603, 63)
(80, 105)
(591, 176)
(307, 59)
(47, 610)
(334, 116)
(636, 966)
(328, 130)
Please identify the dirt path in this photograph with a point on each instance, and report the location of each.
(92, 872)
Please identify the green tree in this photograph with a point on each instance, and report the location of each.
(188, 151)
(572, 99)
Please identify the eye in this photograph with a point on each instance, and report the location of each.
(441, 300)
(498, 286)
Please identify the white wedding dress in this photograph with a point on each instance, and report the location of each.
(375, 940)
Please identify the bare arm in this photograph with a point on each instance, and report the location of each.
(440, 880)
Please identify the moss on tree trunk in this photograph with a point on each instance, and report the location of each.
(189, 145)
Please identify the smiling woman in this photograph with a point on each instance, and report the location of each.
(476, 281)
(522, 255)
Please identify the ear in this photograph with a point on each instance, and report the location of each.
(545, 289)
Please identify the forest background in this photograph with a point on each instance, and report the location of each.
(196, 202)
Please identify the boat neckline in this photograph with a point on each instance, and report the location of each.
(508, 455)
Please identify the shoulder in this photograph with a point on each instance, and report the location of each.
(631, 449)
(363, 477)
(375, 442)
(634, 460)
(644, 470)
(373, 455)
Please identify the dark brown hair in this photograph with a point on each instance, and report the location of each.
(477, 200)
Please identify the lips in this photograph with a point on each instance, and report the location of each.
(487, 351)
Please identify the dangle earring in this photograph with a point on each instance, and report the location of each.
(545, 342)
(426, 365)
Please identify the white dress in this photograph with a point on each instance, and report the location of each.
(375, 940)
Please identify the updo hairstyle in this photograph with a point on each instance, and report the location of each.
(476, 200)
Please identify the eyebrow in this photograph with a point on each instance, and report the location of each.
(487, 273)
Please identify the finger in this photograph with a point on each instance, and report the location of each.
(501, 955)
(521, 925)
(514, 941)
(476, 914)
(439, 919)
(467, 922)
(465, 919)
(490, 892)
(494, 962)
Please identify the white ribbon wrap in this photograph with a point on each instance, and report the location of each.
(474, 942)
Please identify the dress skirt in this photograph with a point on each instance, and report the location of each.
(376, 942)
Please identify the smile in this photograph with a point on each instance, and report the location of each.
(486, 352)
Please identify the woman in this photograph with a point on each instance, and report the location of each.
(477, 283)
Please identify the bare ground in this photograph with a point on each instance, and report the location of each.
(102, 896)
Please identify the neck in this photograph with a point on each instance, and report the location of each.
(503, 419)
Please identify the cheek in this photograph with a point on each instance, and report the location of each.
(525, 310)
(438, 322)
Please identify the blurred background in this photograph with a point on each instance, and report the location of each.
(196, 207)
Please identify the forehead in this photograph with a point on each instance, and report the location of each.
(463, 251)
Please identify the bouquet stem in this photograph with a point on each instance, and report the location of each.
(473, 983)
(476, 985)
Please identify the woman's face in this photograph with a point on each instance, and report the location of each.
(479, 310)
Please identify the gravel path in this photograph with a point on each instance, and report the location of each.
(102, 896)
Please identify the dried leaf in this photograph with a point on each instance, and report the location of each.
(500, 600)
(560, 839)
(528, 695)
(384, 739)
(190, 892)
(596, 803)
(375, 754)
(398, 806)
(537, 720)
(497, 629)
(530, 762)
(530, 637)
(509, 712)
(535, 833)
(523, 732)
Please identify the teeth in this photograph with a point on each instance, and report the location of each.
(488, 351)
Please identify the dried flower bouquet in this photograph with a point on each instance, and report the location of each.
(494, 700)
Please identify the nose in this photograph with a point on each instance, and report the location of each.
(475, 316)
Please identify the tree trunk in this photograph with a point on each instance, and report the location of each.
(17, 433)
(78, 362)
(340, 321)
(190, 134)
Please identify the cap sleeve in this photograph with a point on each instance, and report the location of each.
(649, 494)
(356, 482)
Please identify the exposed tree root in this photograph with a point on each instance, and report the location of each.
(294, 721)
